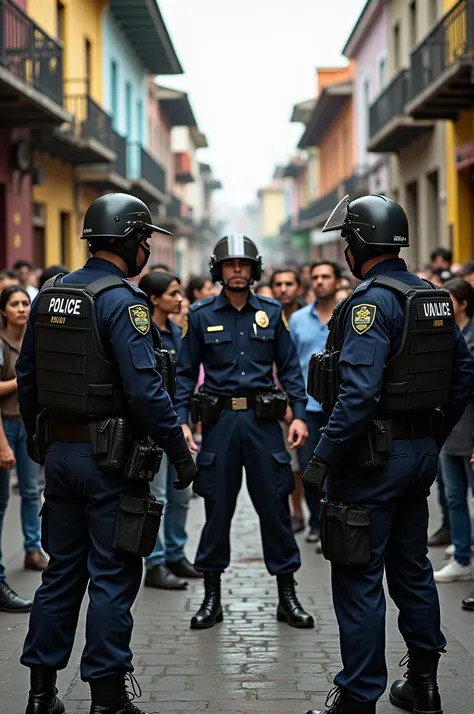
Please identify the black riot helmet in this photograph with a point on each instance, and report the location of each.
(120, 223)
(235, 245)
(371, 225)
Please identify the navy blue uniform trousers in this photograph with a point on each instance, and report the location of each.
(238, 440)
(397, 498)
(78, 522)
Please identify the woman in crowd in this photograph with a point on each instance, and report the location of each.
(199, 288)
(14, 311)
(167, 567)
(455, 457)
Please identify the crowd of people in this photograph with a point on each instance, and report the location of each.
(308, 294)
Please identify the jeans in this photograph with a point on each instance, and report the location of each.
(174, 516)
(442, 500)
(29, 481)
(314, 421)
(458, 477)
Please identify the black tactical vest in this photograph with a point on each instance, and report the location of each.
(418, 376)
(77, 379)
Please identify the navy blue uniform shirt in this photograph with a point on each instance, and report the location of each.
(364, 358)
(237, 352)
(171, 338)
(134, 353)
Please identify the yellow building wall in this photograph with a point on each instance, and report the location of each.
(273, 212)
(460, 194)
(82, 21)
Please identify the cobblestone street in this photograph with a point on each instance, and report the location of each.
(249, 663)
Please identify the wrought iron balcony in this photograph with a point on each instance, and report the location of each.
(108, 176)
(318, 211)
(31, 66)
(389, 127)
(147, 175)
(88, 137)
(175, 220)
(357, 184)
(442, 67)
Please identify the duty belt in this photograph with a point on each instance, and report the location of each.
(70, 432)
(237, 404)
(412, 430)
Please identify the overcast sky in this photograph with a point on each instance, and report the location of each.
(246, 64)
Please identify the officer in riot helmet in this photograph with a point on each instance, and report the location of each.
(238, 337)
(98, 416)
(395, 378)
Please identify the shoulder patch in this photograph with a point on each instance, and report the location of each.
(140, 318)
(202, 303)
(285, 321)
(185, 327)
(363, 317)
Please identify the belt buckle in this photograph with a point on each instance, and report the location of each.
(239, 404)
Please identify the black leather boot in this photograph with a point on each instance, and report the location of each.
(419, 693)
(289, 608)
(10, 601)
(341, 703)
(110, 696)
(210, 611)
(42, 697)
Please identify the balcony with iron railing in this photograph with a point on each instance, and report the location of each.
(318, 210)
(389, 127)
(88, 137)
(31, 71)
(442, 66)
(147, 175)
(182, 168)
(111, 176)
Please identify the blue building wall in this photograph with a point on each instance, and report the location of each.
(125, 90)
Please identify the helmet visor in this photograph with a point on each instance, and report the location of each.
(338, 217)
(149, 227)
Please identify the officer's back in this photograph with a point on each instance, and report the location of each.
(95, 411)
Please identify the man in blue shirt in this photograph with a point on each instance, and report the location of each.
(237, 337)
(308, 328)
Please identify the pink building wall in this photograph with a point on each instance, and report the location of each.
(370, 55)
(159, 136)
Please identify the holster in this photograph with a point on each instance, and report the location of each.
(373, 446)
(271, 405)
(39, 441)
(167, 369)
(144, 461)
(323, 378)
(111, 443)
(345, 534)
(137, 525)
(204, 408)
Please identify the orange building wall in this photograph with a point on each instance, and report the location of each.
(336, 149)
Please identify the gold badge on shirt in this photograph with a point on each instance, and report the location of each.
(261, 318)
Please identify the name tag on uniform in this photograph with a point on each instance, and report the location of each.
(65, 306)
(435, 309)
(215, 328)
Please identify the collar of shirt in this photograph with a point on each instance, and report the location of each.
(221, 301)
(9, 343)
(105, 265)
(386, 266)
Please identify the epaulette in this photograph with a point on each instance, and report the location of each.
(363, 286)
(134, 288)
(272, 301)
(202, 303)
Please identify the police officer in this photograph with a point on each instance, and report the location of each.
(88, 359)
(399, 356)
(237, 336)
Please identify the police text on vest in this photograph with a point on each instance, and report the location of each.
(437, 309)
(65, 306)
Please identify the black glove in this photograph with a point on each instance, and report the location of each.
(186, 470)
(315, 475)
